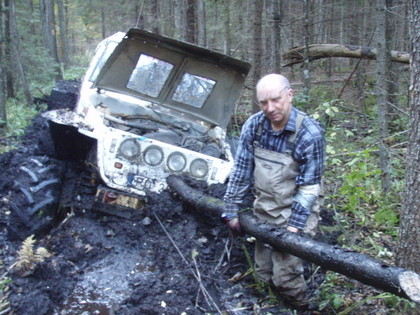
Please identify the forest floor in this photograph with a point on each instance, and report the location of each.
(168, 259)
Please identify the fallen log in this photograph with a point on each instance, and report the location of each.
(319, 51)
(396, 280)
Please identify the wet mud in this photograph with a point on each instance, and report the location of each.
(166, 259)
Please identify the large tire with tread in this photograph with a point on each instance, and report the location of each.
(35, 196)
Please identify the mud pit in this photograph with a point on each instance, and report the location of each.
(167, 259)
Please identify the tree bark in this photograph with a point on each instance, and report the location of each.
(3, 112)
(64, 44)
(382, 91)
(16, 53)
(180, 18)
(227, 49)
(409, 246)
(49, 33)
(319, 51)
(155, 14)
(10, 90)
(306, 39)
(276, 34)
(191, 21)
(399, 281)
(257, 45)
(103, 21)
(201, 23)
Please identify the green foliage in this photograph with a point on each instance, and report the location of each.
(326, 111)
(74, 73)
(360, 193)
(259, 285)
(387, 216)
(39, 68)
(322, 92)
(301, 101)
(359, 182)
(337, 296)
(401, 306)
(19, 116)
(328, 299)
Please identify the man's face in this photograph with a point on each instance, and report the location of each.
(276, 102)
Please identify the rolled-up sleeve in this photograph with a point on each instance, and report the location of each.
(311, 156)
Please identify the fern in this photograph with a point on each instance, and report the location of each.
(28, 258)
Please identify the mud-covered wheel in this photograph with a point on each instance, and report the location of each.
(35, 196)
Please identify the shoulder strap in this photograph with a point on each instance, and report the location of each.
(258, 134)
(292, 138)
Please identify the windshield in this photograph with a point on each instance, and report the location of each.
(193, 90)
(149, 75)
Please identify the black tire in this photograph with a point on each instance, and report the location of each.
(35, 196)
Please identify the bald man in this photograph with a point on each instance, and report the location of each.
(281, 157)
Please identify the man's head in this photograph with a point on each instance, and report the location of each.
(275, 96)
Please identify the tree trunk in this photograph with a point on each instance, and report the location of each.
(409, 245)
(201, 23)
(306, 61)
(319, 51)
(10, 90)
(64, 45)
(257, 44)
(276, 35)
(383, 65)
(103, 22)
(191, 21)
(179, 20)
(3, 112)
(49, 33)
(227, 49)
(398, 281)
(155, 14)
(32, 25)
(16, 53)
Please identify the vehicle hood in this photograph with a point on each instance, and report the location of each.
(193, 81)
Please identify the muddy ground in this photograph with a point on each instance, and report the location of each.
(167, 259)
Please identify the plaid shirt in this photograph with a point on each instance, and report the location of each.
(309, 152)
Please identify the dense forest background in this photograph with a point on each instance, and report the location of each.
(364, 103)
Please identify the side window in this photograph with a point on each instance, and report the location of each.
(105, 53)
(149, 76)
(193, 90)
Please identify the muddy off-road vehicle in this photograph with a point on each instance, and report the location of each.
(149, 107)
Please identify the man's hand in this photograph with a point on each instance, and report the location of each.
(292, 229)
(233, 224)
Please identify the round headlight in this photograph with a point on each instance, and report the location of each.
(199, 168)
(153, 155)
(176, 162)
(129, 148)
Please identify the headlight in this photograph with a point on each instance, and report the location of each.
(176, 162)
(153, 155)
(130, 148)
(199, 168)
